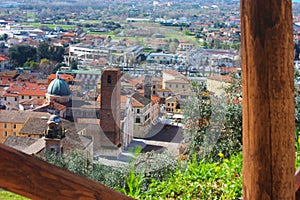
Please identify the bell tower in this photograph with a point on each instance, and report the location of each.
(54, 135)
(110, 105)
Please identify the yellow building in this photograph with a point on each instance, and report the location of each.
(11, 122)
(171, 103)
(218, 84)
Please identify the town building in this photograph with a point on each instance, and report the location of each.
(53, 136)
(171, 104)
(142, 111)
(218, 84)
(12, 122)
(19, 92)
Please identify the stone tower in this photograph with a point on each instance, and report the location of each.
(147, 87)
(54, 135)
(111, 104)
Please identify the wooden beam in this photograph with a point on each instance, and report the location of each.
(268, 99)
(36, 179)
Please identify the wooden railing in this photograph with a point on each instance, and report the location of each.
(36, 179)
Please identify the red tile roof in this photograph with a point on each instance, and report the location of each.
(28, 89)
(226, 78)
(172, 72)
(3, 57)
(34, 90)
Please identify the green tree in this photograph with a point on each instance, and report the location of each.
(53, 53)
(46, 67)
(187, 32)
(173, 46)
(4, 37)
(43, 50)
(31, 64)
(21, 53)
(214, 124)
(74, 64)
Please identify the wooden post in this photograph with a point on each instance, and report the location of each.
(268, 99)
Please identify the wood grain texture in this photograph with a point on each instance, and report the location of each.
(268, 99)
(36, 179)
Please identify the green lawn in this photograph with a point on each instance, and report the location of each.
(52, 26)
(4, 195)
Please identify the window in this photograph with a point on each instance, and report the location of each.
(14, 133)
(172, 104)
(168, 104)
(176, 86)
(137, 110)
(15, 125)
(5, 99)
(137, 120)
(22, 97)
(29, 97)
(5, 125)
(182, 86)
(109, 79)
(16, 99)
(5, 133)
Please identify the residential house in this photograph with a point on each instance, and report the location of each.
(170, 75)
(218, 83)
(155, 109)
(21, 92)
(142, 111)
(175, 83)
(88, 79)
(4, 62)
(171, 104)
(184, 46)
(11, 122)
(8, 76)
(156, 84)
(161, 58)
(26, 77)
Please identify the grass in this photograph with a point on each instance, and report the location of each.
(219, 180)
(52, 26)
(30, 15)
(5, 195)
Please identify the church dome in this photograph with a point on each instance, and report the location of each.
(58, 87)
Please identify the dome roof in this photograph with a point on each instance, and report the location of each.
(58, 87)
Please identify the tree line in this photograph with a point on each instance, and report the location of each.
(21, 55)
